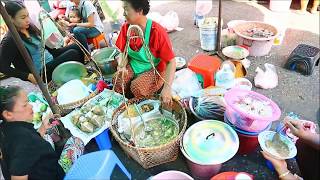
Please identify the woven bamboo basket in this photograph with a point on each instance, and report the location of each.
(67, 108)
(152, 156)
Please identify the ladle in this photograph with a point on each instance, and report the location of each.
(146, 128)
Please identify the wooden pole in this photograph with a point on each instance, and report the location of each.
(218, 48)
(27, 58)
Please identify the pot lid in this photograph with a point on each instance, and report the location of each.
(68, 71)
(210, 142)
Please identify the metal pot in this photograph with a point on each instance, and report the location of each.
(206, 145)
(106, 59)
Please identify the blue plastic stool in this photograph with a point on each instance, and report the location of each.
(96, 165)
(103, 140)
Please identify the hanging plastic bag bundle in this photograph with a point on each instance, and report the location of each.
(203, 7)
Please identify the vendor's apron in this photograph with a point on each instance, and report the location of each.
(138, 59)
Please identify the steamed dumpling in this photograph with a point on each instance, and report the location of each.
(86, 127)
(97, 110)
(97, 121)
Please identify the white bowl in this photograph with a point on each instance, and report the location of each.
(180, 62)
(268, 135)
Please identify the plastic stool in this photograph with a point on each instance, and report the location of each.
(96, 165)
(103, 140)
(96, 41)
(206, 66)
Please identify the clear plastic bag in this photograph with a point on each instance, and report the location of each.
(185, 83)
(170, 21)
(266, 79)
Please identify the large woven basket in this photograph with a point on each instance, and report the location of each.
(150, 157)
(67, 108)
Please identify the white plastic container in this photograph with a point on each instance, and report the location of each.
(208, 35)
(280, 6)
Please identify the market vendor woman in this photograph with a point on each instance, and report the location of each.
(24, 153)
(139, 76)
(10, 54)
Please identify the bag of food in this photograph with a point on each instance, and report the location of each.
(183, 77)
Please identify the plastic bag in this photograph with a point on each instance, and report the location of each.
(185, 83)
(266, 79)
(170, 21)
(203, 7)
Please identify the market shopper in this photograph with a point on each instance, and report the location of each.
(304, 5)
(139, 76)
(10, 54)
(91, 25)
(24, 152)
(308, 156)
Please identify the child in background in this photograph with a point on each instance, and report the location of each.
(74, 16)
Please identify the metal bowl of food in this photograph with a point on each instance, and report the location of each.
(106, 59)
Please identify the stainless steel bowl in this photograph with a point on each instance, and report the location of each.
(106, 59)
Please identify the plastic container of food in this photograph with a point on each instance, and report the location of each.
(207, 145)
(248, 140)
(252, 122)
(258, 46)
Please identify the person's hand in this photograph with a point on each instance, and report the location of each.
(45, 124)
(32, 79)
(298, 128)
(61, 16)
(166, 96)
(279, 165)
(122, 70)
(72, 24)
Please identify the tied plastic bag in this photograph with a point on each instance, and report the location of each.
(266, 79)
(170, 21)
(185, 83)
(53, 37)
(203, 7)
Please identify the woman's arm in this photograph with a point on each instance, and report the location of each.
(19, 177)
(166, 91)
(298, 129)
(281, 167)
(170, 71)
(88, 24)
(8, 52)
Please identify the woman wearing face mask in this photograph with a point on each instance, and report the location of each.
(24, 152)
(139, 76)
(10, 54)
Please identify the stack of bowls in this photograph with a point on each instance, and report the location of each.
(248, 140)
(246, 125)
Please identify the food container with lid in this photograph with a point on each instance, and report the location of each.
(207, 145)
